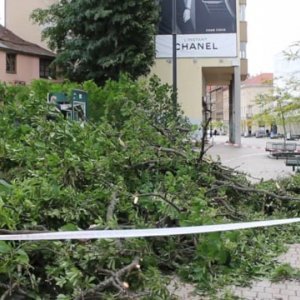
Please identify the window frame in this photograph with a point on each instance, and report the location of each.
(45, 70)
(11, 63)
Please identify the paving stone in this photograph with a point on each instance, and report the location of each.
(293, 286)
(249, 295)
(272, 290)
(264, 296)
(261, 289)
(264, 283)
(279, 285)
(280, 297)
(287, 292)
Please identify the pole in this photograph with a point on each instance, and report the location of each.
(174, 60)
(211, 114)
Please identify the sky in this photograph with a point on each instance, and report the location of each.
(273, 25)
(1, 12)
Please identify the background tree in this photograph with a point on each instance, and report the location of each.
(280, 108)
(100, 39)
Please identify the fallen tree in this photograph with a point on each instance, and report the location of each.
(132, 168)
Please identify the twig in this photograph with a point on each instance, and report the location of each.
(203, 140)
(170, 150)
(163, 198)
(111, 208)
(144, 164)
(6, 231)
(10, 289)
(113, 281)
(250, 190)
(232, 212)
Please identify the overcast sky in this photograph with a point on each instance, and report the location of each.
(272, 26)
(1, 12)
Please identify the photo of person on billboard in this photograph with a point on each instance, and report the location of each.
(198, 16)
(185, 12)
(216, 16)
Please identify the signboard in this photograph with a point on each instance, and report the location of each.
(204, 28)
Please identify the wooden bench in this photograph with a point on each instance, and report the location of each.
(293, 162)
(282, 149)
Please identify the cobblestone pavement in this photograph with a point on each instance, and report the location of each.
(267, 290)
(259, 290)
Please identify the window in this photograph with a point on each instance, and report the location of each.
(11, 63)
(242, 12)
(243, 49)
(45, 68)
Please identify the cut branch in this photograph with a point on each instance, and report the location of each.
(164, 198)
(111, 208)
(115, 280)
(248, 189)
(173, 151)
(203, 141)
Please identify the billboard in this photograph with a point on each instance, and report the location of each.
(204, 28)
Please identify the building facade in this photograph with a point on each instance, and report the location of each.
(22, 61)
(219, 98)
(212, 53)
(251, 89)
(16, 18)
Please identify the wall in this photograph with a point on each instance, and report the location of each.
(189, 84)
(17, 19)
(27, 69)
(191, 81)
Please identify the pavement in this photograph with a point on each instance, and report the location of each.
(252, 159)
(267, 290)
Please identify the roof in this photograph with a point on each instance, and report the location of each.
(10, 41)
(261, 79)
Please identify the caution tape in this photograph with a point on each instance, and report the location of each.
(142, 233)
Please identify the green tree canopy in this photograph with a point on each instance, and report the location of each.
(100, 39)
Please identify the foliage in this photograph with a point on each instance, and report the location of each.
(284, 272)
(131, 169)
(99, 40)
(282, 107)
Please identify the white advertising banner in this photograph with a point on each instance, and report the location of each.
(203, 28)
(197, 45)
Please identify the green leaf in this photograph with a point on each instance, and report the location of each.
(22, 257)
(69, 227)
(62, 297)
(4, 247)
(4, 185)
